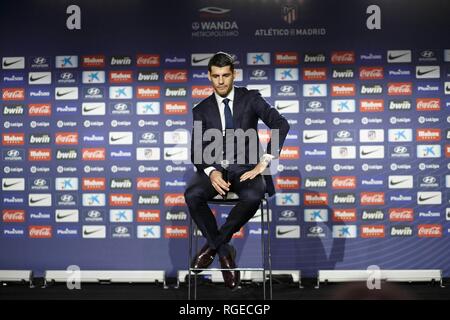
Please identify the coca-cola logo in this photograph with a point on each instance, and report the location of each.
(430, 231)
(40, 231)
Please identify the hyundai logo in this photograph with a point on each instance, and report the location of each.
(400, 150)
(120, 106)
(93, 91)
(258, 73)
(39, 60)
(66, 75)
(343, 134)
(66, 198)
(427, 54)
(288, 214)
(314, 104)
(316, 230)
(94, 214)
(121, 230)
(148, 136)
(40, 182)
(287, 89)
(13, 153)
(429, 180)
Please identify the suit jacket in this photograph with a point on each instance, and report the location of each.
(248, 108)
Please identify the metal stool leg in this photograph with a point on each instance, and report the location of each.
(189, 258)
(269, 253)
(263, 251)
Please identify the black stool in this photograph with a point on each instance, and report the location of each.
(230, 200)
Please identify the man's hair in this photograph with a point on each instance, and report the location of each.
(221, 59)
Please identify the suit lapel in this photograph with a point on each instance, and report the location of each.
(237, 108)
(214, 112)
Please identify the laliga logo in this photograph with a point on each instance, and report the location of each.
(74, 277)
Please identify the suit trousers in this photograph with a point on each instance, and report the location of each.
(200, 190)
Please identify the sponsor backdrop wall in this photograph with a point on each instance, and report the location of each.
(95, 125)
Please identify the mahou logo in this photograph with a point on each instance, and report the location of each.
(344, 215)
(121, 76)
(148, 60)
(375, 231)
(343, 57)
(39, 154)
(174, 199)
(175, 76)
(13, 216)
(400, 88)
(371, 105)
(148, 184)
(13, 94)
(66, 138)
(344, 182)
(200, 92)
(343, 89)
(286, 58)
(371, 73)
(175, 108)
(310, 74)
(13, 139)
(429, 134)
(287, 183)
(428, 104)
(40, 232)
(290, 153)
(401, 214)
(97, 61)
(94, 154)
(315, 199)
(148, 92)
(148, 216)
(175, 232)
(429, 231)
(94, 184)
(372, 198)
(122, 199)
(39, 110)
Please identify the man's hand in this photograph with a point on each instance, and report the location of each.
(260, 167)
(218, 183)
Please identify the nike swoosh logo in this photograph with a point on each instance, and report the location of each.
(38, 78)
(172, 154)
(393, 183)
(392, 57)
(59, 94)
(86, 233)
(36, 200)
(115, 139)
(87, 109)
(194, 60)
(284, 107)
(447, 89)
(62, 216)
(365, 153)
(421, 73)
(7, 64)
(312, 137)
(280, 233)
(427, 198)
(10, 185)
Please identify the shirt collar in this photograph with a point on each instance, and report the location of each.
(219, 99)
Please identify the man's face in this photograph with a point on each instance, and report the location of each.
(222, 79)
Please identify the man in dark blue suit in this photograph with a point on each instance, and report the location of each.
(233, 113)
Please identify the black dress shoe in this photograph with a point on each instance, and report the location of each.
(231, 278)
(203, 259)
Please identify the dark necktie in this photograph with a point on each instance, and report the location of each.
(228, 116)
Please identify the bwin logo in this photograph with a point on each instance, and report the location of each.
(94, 214)
(429, 180)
